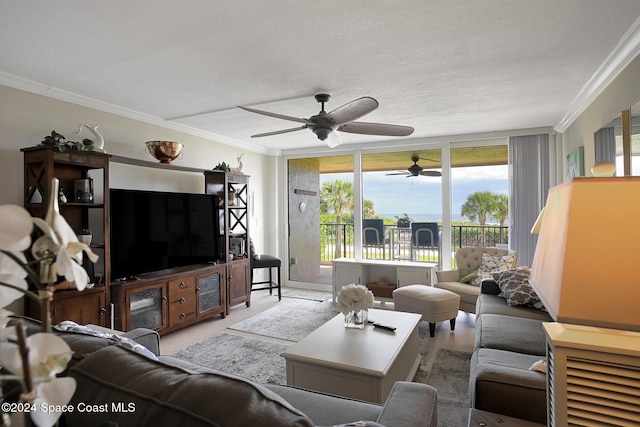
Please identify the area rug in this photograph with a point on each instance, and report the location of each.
(291, 319)
(258, 359)
(450, 376)
(254, 359)
(305, 294)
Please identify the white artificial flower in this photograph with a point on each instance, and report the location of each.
(60, 239)
(48, 356)
(354, 298)
(15, 228)
(15, 237)
(54, 394)
(57, 252)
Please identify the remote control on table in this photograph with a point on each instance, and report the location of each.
(387, 327)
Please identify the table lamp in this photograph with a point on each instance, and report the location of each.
(584, 271)
(586, 267)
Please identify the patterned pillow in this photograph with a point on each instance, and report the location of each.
(516, 289)
(69, 325)
(491, 264)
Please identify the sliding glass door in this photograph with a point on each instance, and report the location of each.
(415, 205)
(402, 194)
(479, 195)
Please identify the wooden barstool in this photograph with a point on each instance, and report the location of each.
(269, 262)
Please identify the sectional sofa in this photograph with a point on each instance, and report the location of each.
(133, 386)
(509, 342)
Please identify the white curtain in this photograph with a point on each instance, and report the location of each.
(529, 184)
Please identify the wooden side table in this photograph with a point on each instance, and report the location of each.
(479, 418)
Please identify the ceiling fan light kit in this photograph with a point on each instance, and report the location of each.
(341, 119)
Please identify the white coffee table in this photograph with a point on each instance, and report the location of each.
(361, 364)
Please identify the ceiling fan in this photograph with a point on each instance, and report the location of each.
(416, 169)
(342, 119)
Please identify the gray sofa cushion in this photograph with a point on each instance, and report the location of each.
(493, 304)
(501, 382)
(167, 395)
(325, 409)
(410, 404)
(510, 333)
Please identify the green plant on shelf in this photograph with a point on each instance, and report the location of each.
(60, 143)
(222, 167)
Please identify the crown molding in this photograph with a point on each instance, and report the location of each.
(624, 52)
(62, 95)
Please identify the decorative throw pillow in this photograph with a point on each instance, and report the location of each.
(360, 424)
(69, 325)
(467, 274)
(516, 289)
(491, 264)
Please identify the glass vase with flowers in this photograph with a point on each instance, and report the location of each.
(354, 301)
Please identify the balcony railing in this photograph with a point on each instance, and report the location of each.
(337, 240)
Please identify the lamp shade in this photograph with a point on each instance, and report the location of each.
(586, 264)
(535, 229)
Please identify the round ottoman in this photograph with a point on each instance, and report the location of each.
(435, 305)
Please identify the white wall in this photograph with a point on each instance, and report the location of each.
(623, 92)
(26, 118)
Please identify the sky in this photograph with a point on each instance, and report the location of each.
(396, 195)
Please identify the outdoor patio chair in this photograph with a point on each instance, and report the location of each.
(425, 236)
(373, 236)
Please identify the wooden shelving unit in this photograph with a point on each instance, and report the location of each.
(164, 300)
(233, 216)
(41, 165)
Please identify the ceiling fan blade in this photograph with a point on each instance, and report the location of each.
(352, 110)
(278, 132)
(276, 115)
(376, 129)
(399, 173)
(431, 173)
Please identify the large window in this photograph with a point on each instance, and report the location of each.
(403, 206)
(479, 196)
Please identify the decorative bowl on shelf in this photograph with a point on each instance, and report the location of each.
(165, 151)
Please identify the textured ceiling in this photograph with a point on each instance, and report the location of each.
(443, 67)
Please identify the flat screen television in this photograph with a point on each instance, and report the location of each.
(152, 230)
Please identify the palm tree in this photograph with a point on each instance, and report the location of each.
(478, 206)
(368, 210)
(501, 208)
(336, 197)
(501, 211)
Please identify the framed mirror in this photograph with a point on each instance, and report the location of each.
(619, 142)
(608, 144)
(634, 148)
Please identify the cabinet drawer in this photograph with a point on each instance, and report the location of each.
(181, 284)
(182, 306)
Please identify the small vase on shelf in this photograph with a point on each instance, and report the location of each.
(85, 236)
